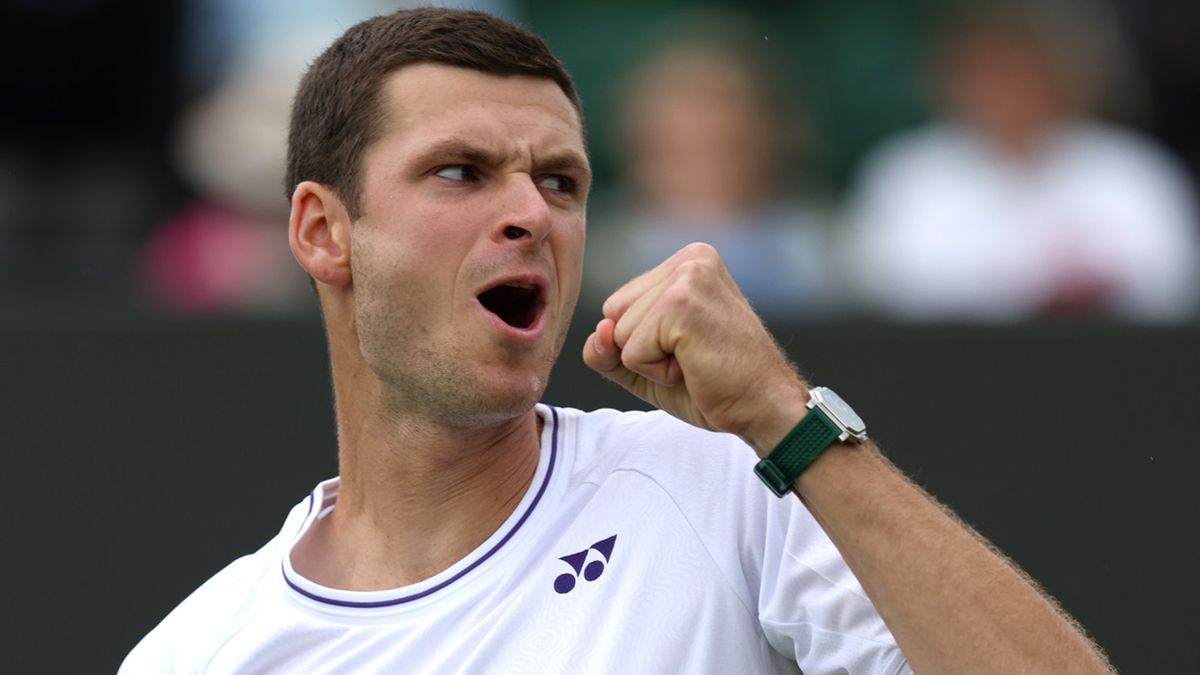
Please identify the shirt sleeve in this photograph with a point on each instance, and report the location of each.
(773, 554)
(811, 606)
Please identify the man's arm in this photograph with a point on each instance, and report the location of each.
(954, 603)
(683, 338)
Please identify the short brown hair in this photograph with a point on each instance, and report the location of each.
(337, 113)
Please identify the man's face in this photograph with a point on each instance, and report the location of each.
(466, 258)
(1004, 87)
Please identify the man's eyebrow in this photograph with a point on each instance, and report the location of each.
(566, 160)
(458, 148)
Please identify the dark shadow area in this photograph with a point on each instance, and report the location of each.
(146, 454)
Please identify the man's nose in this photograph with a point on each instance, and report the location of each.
(525, 213)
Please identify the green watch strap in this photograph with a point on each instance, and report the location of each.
(796, 451)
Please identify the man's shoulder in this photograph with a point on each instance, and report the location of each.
(677, 456)
(187, 638)
(1123, 152)
(632, 433)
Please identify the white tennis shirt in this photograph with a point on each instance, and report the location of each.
(643, 545)
(947, 225)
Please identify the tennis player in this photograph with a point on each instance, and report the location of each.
(438, 178)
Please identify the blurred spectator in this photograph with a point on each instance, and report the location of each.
(712, 150)
(88, 95)
(227, 250)
(1016, 204)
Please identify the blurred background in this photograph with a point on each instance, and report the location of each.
(978, 219)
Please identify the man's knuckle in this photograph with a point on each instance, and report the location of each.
(632, 356)
(700, 250)
(699, 273)
(678, 295)
(687, 271)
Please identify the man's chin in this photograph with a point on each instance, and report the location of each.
(497, 403)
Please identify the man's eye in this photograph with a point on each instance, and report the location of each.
(458, 172)
(557, 183)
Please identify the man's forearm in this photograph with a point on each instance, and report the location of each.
(954, 604)
(683, 337)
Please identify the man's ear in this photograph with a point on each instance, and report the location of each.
(319, 233)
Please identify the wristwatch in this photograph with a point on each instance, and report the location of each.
(829, 419)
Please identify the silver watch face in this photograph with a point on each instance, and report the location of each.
(840, 411)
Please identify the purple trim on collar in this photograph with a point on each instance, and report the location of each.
(429, 591)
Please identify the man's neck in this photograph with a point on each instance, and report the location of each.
(415, 497)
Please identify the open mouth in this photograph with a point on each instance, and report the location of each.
(517, 304)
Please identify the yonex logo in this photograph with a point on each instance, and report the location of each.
(564, 582)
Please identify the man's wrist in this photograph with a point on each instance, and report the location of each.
(781, 415)
(841, 467)
(826, 422)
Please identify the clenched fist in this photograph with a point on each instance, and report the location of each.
(683, 338)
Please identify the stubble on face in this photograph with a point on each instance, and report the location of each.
(426, 379)
(425, 245)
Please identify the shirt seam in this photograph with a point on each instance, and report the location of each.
(817, 628)
(258, 607)
(782, 532)
(695, 533)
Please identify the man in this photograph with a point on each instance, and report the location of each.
(1015, 202)
(438, 180)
